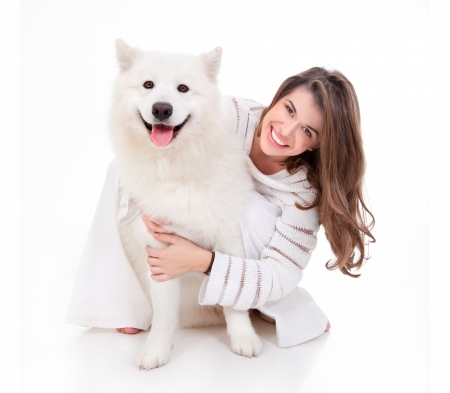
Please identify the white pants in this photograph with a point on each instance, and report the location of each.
(107, 293)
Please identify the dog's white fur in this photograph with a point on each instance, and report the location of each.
(198, 183)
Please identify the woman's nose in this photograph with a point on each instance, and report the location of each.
(288, 129)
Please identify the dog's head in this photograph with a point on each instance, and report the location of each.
(165, 96)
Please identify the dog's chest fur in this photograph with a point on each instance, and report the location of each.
(202, 204)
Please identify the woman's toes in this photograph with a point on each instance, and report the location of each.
(132, 330)
(328, 327)
(128, 330)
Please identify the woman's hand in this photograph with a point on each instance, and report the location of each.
(181, 256)
(154, 226)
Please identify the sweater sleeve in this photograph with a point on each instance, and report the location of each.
(244, 283)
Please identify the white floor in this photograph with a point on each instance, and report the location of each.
(372, 346)
(76, 359)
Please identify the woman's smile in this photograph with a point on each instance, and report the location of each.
(276, 140)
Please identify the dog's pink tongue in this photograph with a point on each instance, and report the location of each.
(161, 134)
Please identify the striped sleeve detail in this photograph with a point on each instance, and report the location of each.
(241, 282)
(227, 277)
(302, 200)
(213, 288)
(246, 127)
(301, 229)
(258, 286)
(223, 286)
(284, 255)
(306, 221)
(235, 103)
(293, 242)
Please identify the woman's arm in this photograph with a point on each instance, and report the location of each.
(243, 283)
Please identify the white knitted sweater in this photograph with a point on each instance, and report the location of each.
(247, 283)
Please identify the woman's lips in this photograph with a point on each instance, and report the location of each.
(272, 140)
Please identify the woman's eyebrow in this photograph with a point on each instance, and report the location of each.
(295, 111)
(310, 128)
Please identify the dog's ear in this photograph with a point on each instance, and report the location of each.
(212, 61)
(125, 54)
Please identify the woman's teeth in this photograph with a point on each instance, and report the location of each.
(276, 139)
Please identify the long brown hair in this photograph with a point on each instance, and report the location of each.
(336, 168)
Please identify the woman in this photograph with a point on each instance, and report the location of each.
(306, 157)
(312, 126)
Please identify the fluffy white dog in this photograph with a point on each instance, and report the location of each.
(178, 160)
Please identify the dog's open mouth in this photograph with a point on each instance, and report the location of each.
(162, 134)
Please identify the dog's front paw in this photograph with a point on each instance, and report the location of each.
(151, 357)
(246, 345)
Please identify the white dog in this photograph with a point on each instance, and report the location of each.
(178, 160)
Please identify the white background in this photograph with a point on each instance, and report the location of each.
(380, 334)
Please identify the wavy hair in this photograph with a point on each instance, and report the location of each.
(336, 168)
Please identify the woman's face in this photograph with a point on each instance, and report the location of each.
(292, 126)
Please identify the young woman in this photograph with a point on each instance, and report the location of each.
(308, 136)
(307, 160)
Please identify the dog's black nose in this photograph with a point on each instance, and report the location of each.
(162, 110)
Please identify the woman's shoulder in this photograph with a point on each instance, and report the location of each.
(245, 104)
(243, 110)
(244, 115)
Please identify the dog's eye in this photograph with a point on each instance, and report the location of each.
(183, 88)
(148, 85)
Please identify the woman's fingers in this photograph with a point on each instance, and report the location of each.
(149, 219)
(167, 238)
(160, 277)
(153, 222)
(153, 252)
(154, 261)
(154, 269)
(150, 223)
(154, 226)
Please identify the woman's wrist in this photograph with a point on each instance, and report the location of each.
(208, 270)
(204, 261)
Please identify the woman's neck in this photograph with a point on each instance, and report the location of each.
(268, 165)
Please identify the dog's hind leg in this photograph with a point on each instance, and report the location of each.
(165, 300)
(244, 340)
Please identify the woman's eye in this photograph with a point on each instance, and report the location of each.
(291, 112)
(148, 85)
(307, 132)
(183, 88)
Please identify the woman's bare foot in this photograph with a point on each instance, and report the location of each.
(128, 330)
(328, 327)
